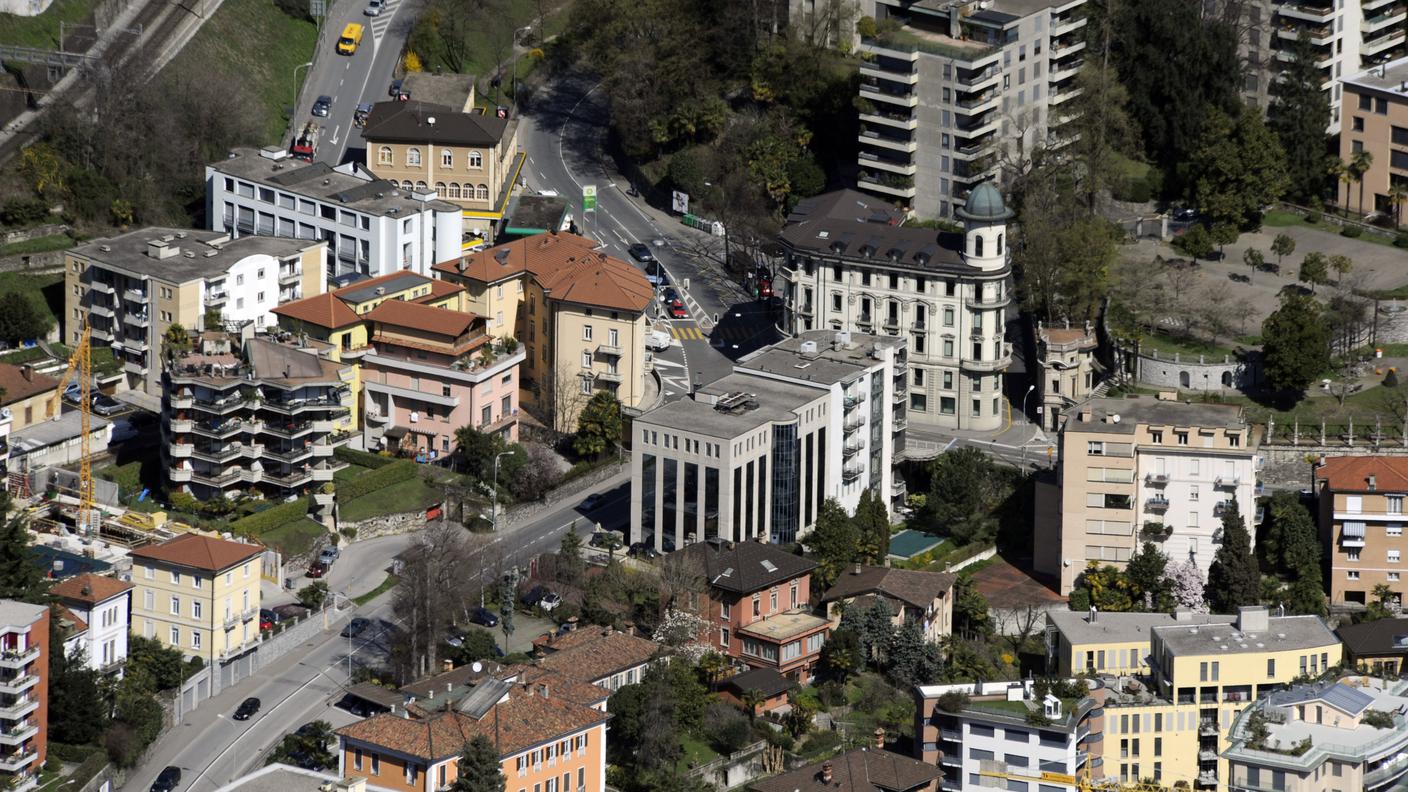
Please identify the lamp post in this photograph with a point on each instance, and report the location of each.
(297, 91)
(1026, 396)
(494, 494)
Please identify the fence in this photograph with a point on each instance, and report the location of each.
(735, 769)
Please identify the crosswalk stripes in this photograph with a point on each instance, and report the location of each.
(688, 333)
(381, 22)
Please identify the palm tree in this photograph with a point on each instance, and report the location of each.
(1339, 171)
(752, 699)
(1358, 166)
(1397, 196)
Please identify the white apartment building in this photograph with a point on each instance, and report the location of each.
(756, 453)
(851, 266)
(961, 92)
(105, 606)
(1145, 469)
(372, 227)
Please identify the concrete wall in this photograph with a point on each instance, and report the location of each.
(1185, 372)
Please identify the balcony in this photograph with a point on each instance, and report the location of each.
(14, 735)
(610, 350)
(877, 92)
(1227, 482)
(14, 762)
(231, 621)
(852, 448)
(872, 138)
(296, 454)
(1223, 507)
(218, 480)
(1377, 45)
(1062, 93)
(235, 650)
(972, 151)
(873, 160)
(221, 405)
(324, 473)
(179, 475)
(248, 614)
(983, 125)
(18, 684)
(988, 302)
(1000, 362)
(293, 478)
(610, 376)
(853, 423)
(1060, 51)
(1060, 26)
(135, 295)
(855, 400)
(1319, 34)
(978, 104)
(100, 287)
(976, 81)
(98, 309)
(898, 120)
(1067, 70)
(878, 70)
(287, 277)
(136, 318)
(216, 297)
(852, 472)
(181, 450)
(18, 658)
(292, 429)
(18, 709)
(901, 186)
(899, 424)
(1307, 13)
(1157, 505)
(1207, 778)
(135, 367)
(1156, 479)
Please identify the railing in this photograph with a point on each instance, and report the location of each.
(1156, 505)
(13, 657)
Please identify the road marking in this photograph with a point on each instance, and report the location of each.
(687, 333)
(334, 133)
(667, 363)
(618, 236)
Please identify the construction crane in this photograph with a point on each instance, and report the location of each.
(80, 364)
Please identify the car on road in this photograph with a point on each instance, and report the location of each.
(396, 91)
(641, 252)
(643, 550)
(590, 502)
(484, 617)
(677, 310)
(550, 600)
(247, 709)
(317, 569)
(104, 404)
(350, 39)
(356, 627)
(657, 341)
(322, 106)
(1239, 277)
(167, 780)
(329, 555)
(669, 295)
(374, 8)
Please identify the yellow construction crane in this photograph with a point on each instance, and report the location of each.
(80, 363)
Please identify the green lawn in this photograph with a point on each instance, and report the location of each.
(293, 538)
(43, 31)
(221, 51)
(1278, 218)
(696, 752)
(105, 363)
(45, 292)
(39, 245)
(31, 355)
(406, 496)
(385, 586)
(350, 472)
(1167, 345)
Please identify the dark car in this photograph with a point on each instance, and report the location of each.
(1185, 214)
(317, 569)
(677, 310)
(322, 106)
(669, 295)
(247, 709)
(602, 539)
(643, 550)
(267, 619)
(592, 501)
(484, 617)
(290, 611)
(640, 252)
(167, 780)
(535, 595)
(356, 706)
(306, 729)
(356, 627)
(104, 404)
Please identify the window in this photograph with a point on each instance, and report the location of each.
(1395, 504)
(1393, 556)
(175, 636)
(1181, 438)
(1352, 554)
(586, 332)
(481, 192)
(586, 387)
(1095, 448)
(1352, 574)
(757, 605)
(383, 155)
(195, 639)
(196, 608)
(412, 161)
(1270, 667)
(447, 159)
(1393, 530)
(175, 606)
(586, 360)
(772, 601)
(376, 764)
(476, 160)
(175, 577)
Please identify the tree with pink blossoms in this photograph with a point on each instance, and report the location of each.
(1187, 586)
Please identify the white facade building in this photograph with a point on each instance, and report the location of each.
(372, 227)
(105, 606)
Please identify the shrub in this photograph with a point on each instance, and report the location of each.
(66, 752)
(398, 471)
(726, 727)
(1391, 379)
(269, 519)
(1312, 218)
(953, 701)
(821, 742)
(88, 769)
(1378, 719)
(23, 211)
(362, 458)
(1401, 241)
(296, 9)
(1134, 190)
(1353, 232)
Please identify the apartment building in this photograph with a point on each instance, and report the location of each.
(1006, 736)
(1068, 371)
(1361, 525)
(604, 658)
(1379, 647)
(756, 605)
(254, 416)
(1376, 121)
(546, 742)
(1349, 37)
(433, 370)
(24, 693)
(371, 226)
(1137, 469)
(957, 92)
(579, 313)
(851, 266)
(1336, 735)
(468, 157)
(1097, 643)
(198, 594)
(754, 454)
(132, 287)
(27, 398)
(924, 599)
(104, 604)
(339, 318)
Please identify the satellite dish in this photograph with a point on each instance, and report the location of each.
(477, 667)
(430, 120)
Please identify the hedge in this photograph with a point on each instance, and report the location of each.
(362, 458)
(394, 473)
(88, 770)
(269, 519)
(73, 753)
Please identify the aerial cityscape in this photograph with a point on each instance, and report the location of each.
(665, 396)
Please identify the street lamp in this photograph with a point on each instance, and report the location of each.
(293, 116)
(495, 492)
(1025, 417)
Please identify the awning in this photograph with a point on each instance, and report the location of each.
(1353, 530)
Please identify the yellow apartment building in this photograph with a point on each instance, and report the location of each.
(580, 314)
(198, 594)
(1361, 525)
(1375, 108)
(26, 398)
(1110, 643)
(130, 288)
(1145, 469)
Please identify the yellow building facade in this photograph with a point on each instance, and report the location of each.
(198, 594)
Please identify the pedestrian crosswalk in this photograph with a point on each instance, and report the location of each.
(382, 21)
(687, 332)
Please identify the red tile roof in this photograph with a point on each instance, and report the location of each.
(21, 382)
(89, 588)
(200, 552)
(592, 654)
(323, 310)
(1351, 473)
(567, 265)
(439, 290)
(64, 614)
(426, 318)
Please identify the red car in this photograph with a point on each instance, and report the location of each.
(317, 569)
(677, 310)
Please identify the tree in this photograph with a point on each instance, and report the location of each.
(1341, 264)
(1147, 570)
(1314, 269)
(834, 541)
(157, 667)
(1298, 116)
(841, 655)
(1237, 168)
(508, 598)
(20, 320)
(599, 425)
(1187, 587)
(911, 660)
(432, 587)
(475, 452)
(971, 618)
(1397, 196)
(1385, 605)
(537, 475)
(1222, 234)
(569, 558)
(1254, 258)
(1233, 578)
(872, 522)
(20, 578)
(1196, 242)
(176, 339)
(1295, 344)
(307, 748)
(873, 627)
(1283, 245)
(1359, 166)
(1290, 548)
(475, 644)
(479, 768)
(78, 705)
(965, 489)
(313, 595)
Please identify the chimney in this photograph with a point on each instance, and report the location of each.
(1253, 618)
(545, 690)
(1093, 613)
(826, 773)
(1182, 615)
(879, 737)
(1373, 482)
(352, 784)
(27, 371)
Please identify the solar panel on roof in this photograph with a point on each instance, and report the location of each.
(484, 696)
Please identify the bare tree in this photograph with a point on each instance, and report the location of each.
(432, 589)
(681, 582)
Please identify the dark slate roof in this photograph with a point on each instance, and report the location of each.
(408, 122)
(860, 770)
(1385, 637)
(855, 227)
(766, 680)
(909, 586)
(1340, 696)
(744, 567)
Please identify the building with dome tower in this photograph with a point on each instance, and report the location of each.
(852, 265)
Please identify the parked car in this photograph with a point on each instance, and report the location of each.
(550, 600)
(356, 706)
(329, 555)
(643, 550)
(669, 295)
(602, 539)
(317, 569)
(677, 310)
(72, 394)
(1185, 214)
(374, 8)
(287, 612)
(268, 618)
(658, 341)
(167, 780)
(535, 595)
(397, 92)
(641, 252)
(484, 617)
(590, 502)
(247, 709)
(356, 627)
(104, 404)
(322, 106)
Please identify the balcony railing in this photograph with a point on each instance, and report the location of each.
(18, 760)
(18, 684)
(1156, 479)
(18, 733)
(15, 658)
(1156, 505)
(1227, 482)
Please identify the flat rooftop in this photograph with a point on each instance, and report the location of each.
(359, 192)
(190, 254)
(19, 614)
(777, 402)
(784, 626)
(54, 431)
(536, 214)
(1388, 78)
(1386, 696)
(839, 357)
(1123, 627)
(1150, 411)
(1283, 633)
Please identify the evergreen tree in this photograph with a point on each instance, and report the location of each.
(78, 705)
(971, 618)
(20, 320)
(20, 578)
(1237, 168)
(872, 523)
(1147, 572)
(599, 425)
(479, 768)
(1295, 345)
(835, 541)
(569, 558)
(1233, 579)
(841, 654)
(1314, 269)
(1298, 116)
(911, 661)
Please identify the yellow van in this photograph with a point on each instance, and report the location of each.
(350, 38)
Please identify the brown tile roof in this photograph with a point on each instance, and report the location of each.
(559, 684)
(89, 588)
(69, 616)
(439, 290)
(1351, 473)
(592, 654)
(526, 719)
(859, 770)
(567, 265)
(200, 552)
(426, 318)
(910, 586)
(1066, 335)
(22, 382)
(323, 310)
(743, 567)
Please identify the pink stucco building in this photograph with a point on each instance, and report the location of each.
(435, 370)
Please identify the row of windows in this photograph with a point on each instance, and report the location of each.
(548, 755)
(196, 607)
(196, 581)
(385, 156)
(711, 450)
(302, 205)
(1234, 439)
(948, 405)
